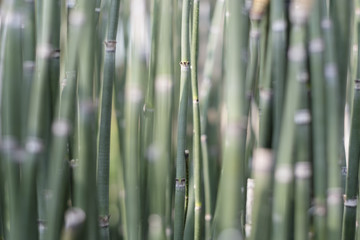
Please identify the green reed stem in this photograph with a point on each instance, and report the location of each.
(352, 182)
(278, 66)
(231, 201)
(105, 120)
(283, 168)
(133, 106)
(39, 121)
(316, 47)
(196, 122)
(302, 167)
(351, 191)
(204, 94)
(85, 172)
(11, 76)
(159, 165)
(261, 214)
(62, 127)
(181, 130)
(333, 143)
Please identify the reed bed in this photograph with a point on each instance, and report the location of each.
(170, 119)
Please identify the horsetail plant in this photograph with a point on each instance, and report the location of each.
(302, 166)
(230, 203)
(10, 132)
(334, 190)
(316, 54)
(268, 120)
(351, 191)
(181, 130)
(352, 183)
(133, 105)
(279, 64)
(204, 97)
(37, 122)
(105, 120)
(296, 74)
(197, 126)
(85, 196)
(63, 126)
(159, 164)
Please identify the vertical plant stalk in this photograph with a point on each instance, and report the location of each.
(85, 172)
(205, 90)
(316, 51)
(105, 120)
(133, 106)
(49, 112)
(302, 168)
(231, 200)
(63, 126)
(29, 51)
(352, 182)
(37, 121)
(333, 143)
(11, 77)
(182, 118)
(266, 95)
(262, 166)
(196, 121)
(148, 115)
(121, 60)
(342, 17)
(189, 198)
(284, 164)
(159, 165)
(262, 156)
(278, 66)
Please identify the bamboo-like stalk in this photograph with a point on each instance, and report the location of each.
(37, 119)
(189, 198)
(316, 52)
(204, 94)
(49, 112)
(266, 96)
(181, 130)
(63, 126)
(105, 120)
(159, 165)
(262, 156)
(121, 62)
(196, 122)
(85, 172)
(133, 106)
(279, 64)
(333, 143)
(262, 166)
(119, 89)
(231, 202)
(283, 168)
(11, 77)
(302, 169)
(148, 115)
(28, 49)
(351, 191)
(342, 17)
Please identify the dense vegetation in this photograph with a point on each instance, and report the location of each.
(179, 119)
